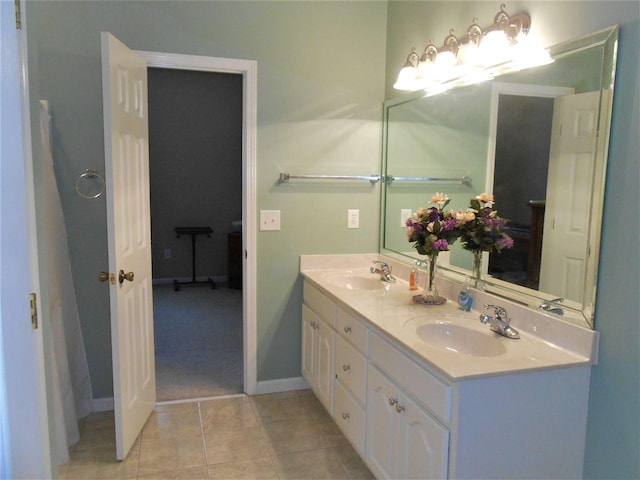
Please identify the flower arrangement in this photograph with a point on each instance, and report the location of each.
(481, 228)
(433, 229)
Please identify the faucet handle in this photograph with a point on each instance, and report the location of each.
(499, 312)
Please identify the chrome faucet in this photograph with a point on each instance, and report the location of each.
(500, 322)
(552, 306)
(384, 270)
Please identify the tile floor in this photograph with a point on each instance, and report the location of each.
(278, 436)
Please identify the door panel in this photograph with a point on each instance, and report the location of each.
(129, 238)
(565, 247)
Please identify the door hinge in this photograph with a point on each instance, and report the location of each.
(34, 310)
(18, 10)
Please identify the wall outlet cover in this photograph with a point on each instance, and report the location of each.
(405, 214)
(353, 218)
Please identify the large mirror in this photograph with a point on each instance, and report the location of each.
(536, 139)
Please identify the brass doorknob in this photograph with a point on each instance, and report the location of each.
(125, 276)
(103, 276)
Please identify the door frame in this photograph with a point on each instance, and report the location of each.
(248, 69)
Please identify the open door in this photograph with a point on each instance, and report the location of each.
(565, 247)
(126, 134)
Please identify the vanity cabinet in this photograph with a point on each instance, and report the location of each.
(407, 419)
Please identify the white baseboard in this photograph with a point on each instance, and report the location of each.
(281, 385)
(218, 279)
(267, 386)
(102, 404)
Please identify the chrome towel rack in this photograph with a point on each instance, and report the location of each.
(462, 180)
(286, 177)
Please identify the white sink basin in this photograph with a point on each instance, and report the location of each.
(356, 281)
(461, 339)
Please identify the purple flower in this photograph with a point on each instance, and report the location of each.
(505, 242)
(440, 244)
(434, 215)
(492, 223)
(449, 224)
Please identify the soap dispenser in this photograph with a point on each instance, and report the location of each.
(465, 297)
(413, 277)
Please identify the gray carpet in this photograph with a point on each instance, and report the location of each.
(198, 342)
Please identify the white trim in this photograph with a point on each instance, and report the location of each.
(217, 279)
(102, 404)
(249, 70)
(281, 385)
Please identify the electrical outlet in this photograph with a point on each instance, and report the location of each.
(405, 214)
(167, 253)
(353, 218)
(269, 220)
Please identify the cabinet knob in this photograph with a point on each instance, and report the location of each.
(392, 401)
(399, 408)
(346, 415)
(346, 367)
(347, 329)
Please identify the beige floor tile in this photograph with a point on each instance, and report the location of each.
(315, 409)
(257, 468)
(99, 462)
(171, 423)
(279, 406)
(174, 407)
(352, 463)
(98, 429)
(227, 414)
(315, 464)
(194, 473)
(234, 445)
(158, 454)
(293, 436)
(332, 434)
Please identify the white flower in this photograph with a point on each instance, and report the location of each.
(485, 198)
(439, 198)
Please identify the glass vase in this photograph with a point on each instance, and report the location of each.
(477, 264)
(430, 295)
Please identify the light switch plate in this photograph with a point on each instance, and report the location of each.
(269, 220)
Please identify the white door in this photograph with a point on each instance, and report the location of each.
(24, 422)
(124, 84)
(565, 245)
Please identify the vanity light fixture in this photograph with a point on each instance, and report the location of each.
(505, 46)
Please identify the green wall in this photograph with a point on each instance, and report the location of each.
(320, 94)
(614, 423)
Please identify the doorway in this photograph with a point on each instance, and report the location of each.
(195, 174)
(247, 69)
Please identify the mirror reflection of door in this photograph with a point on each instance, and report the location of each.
(544, 165)
(571, 169)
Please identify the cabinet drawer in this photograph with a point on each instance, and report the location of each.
(351, 369)
(349, 416)
(352, 329)
(431, 391)
(319, 303)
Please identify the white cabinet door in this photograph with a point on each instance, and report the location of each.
(424, 443)
(403, 440)
(325, 376)
(382, 426)
(309, 319)
(318, 340)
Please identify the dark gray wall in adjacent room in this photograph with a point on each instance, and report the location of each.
(195, 164)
